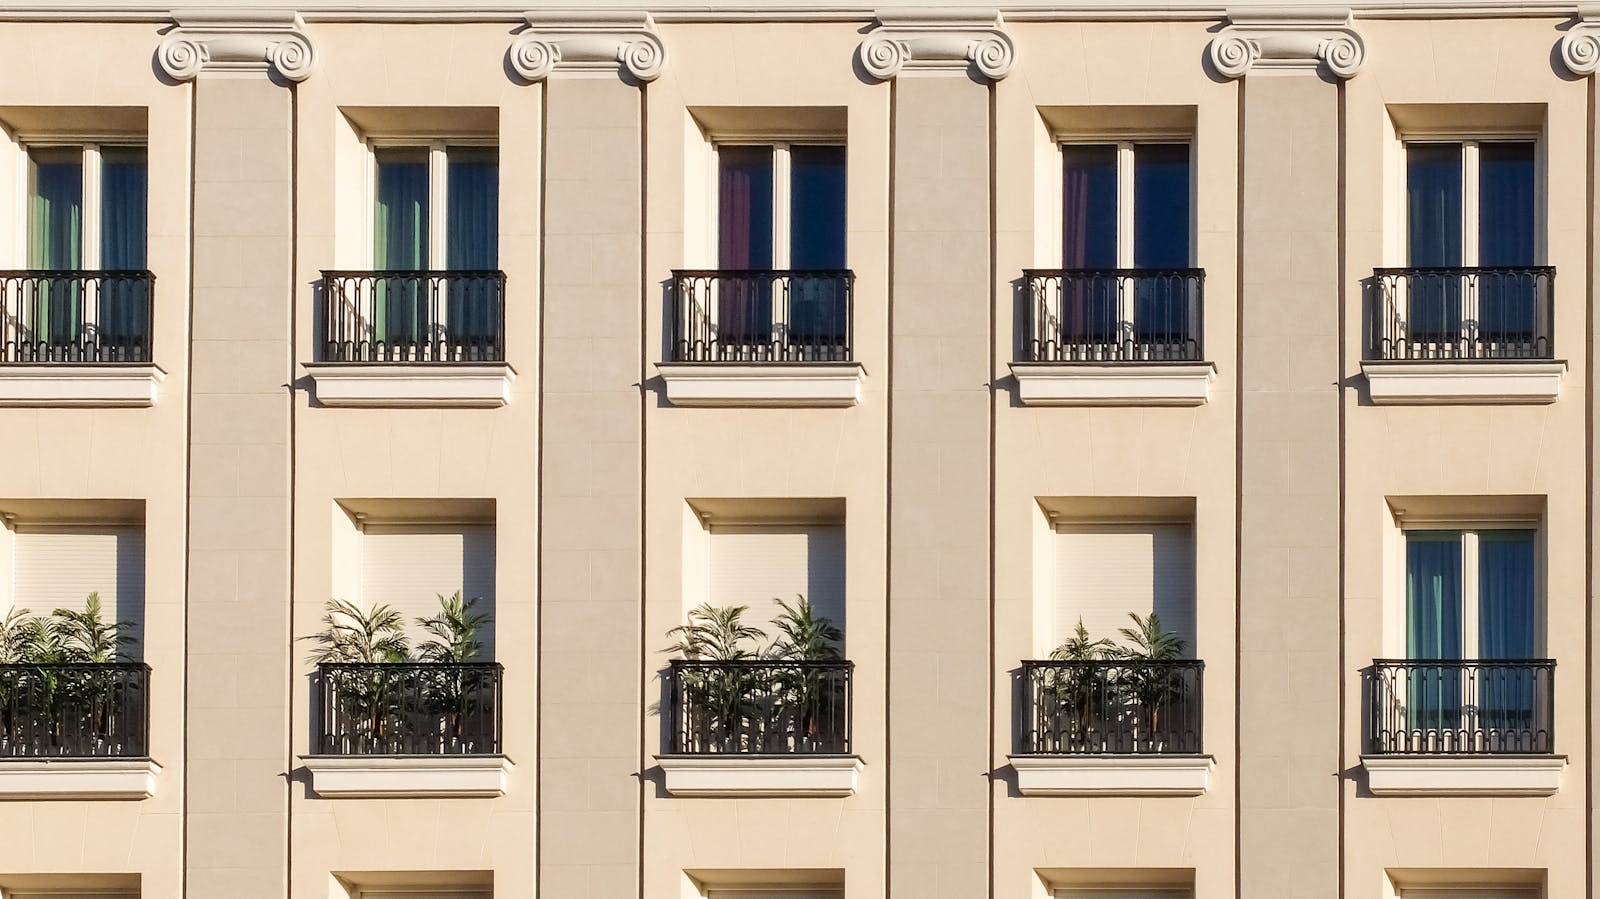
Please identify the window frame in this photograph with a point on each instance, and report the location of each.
(438, 191)
(90, 147)
(1471, 143)
(1125, 142)
(1470, 529)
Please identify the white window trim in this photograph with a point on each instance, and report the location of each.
(782, 194)
(1470, 528)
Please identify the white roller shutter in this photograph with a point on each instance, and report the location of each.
(409, 567)
(754, 565)
(1124, 894)
(775, 894)
(427, 894)
(58, 567)
(1103, 572)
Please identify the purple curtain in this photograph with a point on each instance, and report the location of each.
(744, 242)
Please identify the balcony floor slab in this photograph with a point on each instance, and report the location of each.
(408, 777)
(1113, 384)
(87, 778)
(732, 384)
(79, 386)
(1445, 775)
(398, 385)
(1483, 382)
(1113, 775)
(761, 775)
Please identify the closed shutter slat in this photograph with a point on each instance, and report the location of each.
(408, 567)
(58, 567)
(1103, 572)
(754, 565)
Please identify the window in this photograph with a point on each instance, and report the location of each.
(409, 566)
(755, 565)
(1473, 205)
(1126, 206)
(1471, 594)
(59, 566)
(435, 207)
(1104, 572)
(781, 206)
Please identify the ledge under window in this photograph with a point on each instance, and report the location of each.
(1114, 384)
(755, 775)
(1112, 775)
(434, 385)
(430, 776)
(81, 778)
(82, 386)
(1433, 775)
(802, 385)
(1485, 382)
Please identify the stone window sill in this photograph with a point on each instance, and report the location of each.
(1113, 775)
(91, 778)
(1486, 382)
(746, 776)
(1117, 384)
(729, 384)
(1423, 775)
(360, 385)
(414, 777)
(80, 386)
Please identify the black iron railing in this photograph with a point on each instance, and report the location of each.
(1431, 314)
(75, 316)
(407, 708)
(759, 708)
(1430, 707)
(88, 710)
(1114, 315)
(1113, 708)
(413, 316)
(762, 316)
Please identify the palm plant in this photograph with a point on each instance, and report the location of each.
(1151, 686)
(453, 692)
(351, 634)
(723, 694)
(72, 700)
(1074, 685)
(806, 689)
(84, 637)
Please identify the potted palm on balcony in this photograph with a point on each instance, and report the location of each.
(725, 695)
(352, 635)
(1151, 687)
(1075, 688)
(805, 692)
(57, 683)
(453, 692)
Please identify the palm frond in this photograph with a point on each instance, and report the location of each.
(803, 635)
(454, 629)
(353, 634)
(716, 632)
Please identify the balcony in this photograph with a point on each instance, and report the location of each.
(762, 338)
(1111, 728)
(1113, 337)
(759, 728)
(412, 338)
(1461, 727)
(1461, 335)
(78, 730)
(412, 729)
(77, 338)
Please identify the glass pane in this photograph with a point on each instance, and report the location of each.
(400, 221)
(124, 194)
(1433, 204)
(1506, 588)
(1161, 206)
(1089, 207)
(816, 208)
(1433, 594)
(472, 220)
(1506, 217)
(744, 215)
(55, 209)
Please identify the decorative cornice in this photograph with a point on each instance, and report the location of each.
(1268, 39)
(234, 41)
(938, 39)
(1580, 46)
(589, 41)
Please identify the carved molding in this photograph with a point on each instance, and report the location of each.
(933, 39)
(598, 41)
(236, 42)
(1287, 39)
(1580, 46)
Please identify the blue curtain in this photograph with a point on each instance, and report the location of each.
(817, 241)
(1161, 240)
(1089, 311)
(1506, 224)
(1507, 583)
(1433, 627)
(124, 302)
(1433, 240)
(400, 242)
(472, 243)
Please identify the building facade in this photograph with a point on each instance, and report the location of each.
(1150, 446)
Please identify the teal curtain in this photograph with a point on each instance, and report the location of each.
(55, 241)
(400, 242)
(124, 302)
(1433, 628)
(1506, 617)
(472, 243)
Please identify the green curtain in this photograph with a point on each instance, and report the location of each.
(124, 302)
(400, 242)
(472, 243)
(55, 242)
(1433, 627)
